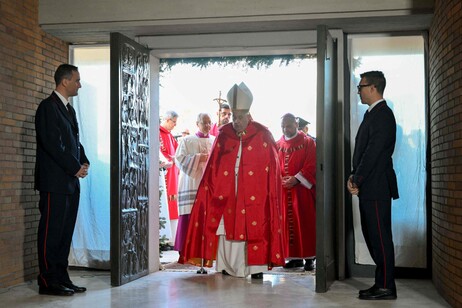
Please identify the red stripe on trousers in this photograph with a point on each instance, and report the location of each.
(383, 249)
(45, 241)
(46, 234)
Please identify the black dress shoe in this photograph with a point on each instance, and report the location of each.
(293, 264)
(363, 292)
(309, 265)
(225, 273)
(257, 276)
(56, 289)
(379, 294)
(73, 287)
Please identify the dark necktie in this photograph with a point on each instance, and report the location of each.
(366, 114)
(71, 112)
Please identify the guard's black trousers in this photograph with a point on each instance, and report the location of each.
(56, 226)
(376, 227)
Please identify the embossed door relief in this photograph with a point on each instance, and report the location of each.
(129, 159)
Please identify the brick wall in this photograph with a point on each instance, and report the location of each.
(28, 59)
(445, 63)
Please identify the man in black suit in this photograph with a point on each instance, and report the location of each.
(373, 180)
(60, 163)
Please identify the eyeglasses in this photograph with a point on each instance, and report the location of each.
(360, 86)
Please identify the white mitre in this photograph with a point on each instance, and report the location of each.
(240, 97)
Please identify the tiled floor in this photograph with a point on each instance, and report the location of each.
(176, 288)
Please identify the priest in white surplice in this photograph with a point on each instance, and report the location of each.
(191, 157)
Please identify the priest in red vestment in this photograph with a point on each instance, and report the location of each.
(297, 159)
(168, 146)
(236, 218)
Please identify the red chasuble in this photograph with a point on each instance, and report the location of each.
(251, 214)
(168, 145)
(299, 203)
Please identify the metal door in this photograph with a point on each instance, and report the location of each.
(326, 158)
(130, 100)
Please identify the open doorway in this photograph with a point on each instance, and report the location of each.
(277, 87)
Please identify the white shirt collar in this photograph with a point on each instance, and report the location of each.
(62, 98)
(374, 104)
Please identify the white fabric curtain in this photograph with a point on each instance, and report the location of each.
(91, 241)
(401, 59)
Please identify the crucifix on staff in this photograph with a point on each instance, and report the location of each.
(220, 101)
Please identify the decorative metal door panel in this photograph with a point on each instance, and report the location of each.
(130, 80)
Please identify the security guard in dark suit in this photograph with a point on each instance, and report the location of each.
(60, 163)
(373, 180)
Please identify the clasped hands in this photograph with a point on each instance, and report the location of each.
(289, 181)
(352, 188)
(83, 172)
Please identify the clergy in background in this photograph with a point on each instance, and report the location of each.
(236, 218)
(224, 115)
(297, 160)
(303, 126)
(191, 156)
(168, 146)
